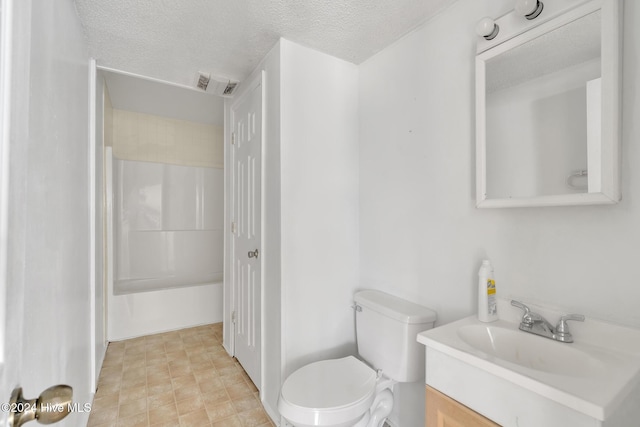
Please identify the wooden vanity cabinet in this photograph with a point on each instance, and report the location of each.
(443, 411)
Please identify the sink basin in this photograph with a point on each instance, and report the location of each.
(529, 351)
(594, 376)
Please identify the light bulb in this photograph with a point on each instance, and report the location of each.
(487, 28)
(530, 9)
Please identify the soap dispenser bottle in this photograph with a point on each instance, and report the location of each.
(487, 308)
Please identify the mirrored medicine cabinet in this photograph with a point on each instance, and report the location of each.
(548, 108)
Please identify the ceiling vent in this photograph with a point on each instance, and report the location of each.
(202, 80)
(216, 85)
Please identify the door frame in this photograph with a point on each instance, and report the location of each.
(229, 279)
(93, 75)
(5, 121)
(97, 282)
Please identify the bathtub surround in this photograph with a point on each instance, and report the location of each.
(166, 274)
(167, 226)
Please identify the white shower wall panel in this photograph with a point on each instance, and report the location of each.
(158, 196)
(169, 259)
(167, 226)
(197, 198)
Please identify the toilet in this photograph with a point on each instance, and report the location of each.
(350, 392)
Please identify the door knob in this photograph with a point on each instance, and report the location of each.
(253, 254)
(51, 406)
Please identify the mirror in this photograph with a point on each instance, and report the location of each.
(547, 111)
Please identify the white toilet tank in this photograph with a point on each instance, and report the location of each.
(386, 330)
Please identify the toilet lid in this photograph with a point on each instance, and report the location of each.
(328, 391)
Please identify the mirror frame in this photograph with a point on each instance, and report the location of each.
(515, 33)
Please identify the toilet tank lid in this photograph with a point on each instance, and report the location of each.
(394, 307)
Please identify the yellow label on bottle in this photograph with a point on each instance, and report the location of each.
(491, 287)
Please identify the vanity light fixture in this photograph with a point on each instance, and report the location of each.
(487, 28)
(530, 9)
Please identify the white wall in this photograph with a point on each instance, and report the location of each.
(319, 199)
(421, 236)
(48, 274)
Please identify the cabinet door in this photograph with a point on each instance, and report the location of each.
(443, 411)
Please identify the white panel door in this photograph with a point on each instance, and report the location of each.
(44, 211)
(247, 229)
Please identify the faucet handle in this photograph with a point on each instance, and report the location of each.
(562, 329)
(520, 305)
(562, 323)
(526, 317)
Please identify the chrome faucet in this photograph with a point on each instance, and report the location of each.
(536, 324)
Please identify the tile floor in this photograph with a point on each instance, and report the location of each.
(179, 378)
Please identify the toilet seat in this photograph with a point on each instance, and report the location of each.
(328, 392)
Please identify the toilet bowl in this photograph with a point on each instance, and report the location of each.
(347, 392)
(336, 392)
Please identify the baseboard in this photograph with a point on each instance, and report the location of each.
(273, 414)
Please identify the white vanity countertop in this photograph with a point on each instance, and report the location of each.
(592, 375)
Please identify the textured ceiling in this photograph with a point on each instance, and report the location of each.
(173, 39)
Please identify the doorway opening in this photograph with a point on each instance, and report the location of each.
(164, 205)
